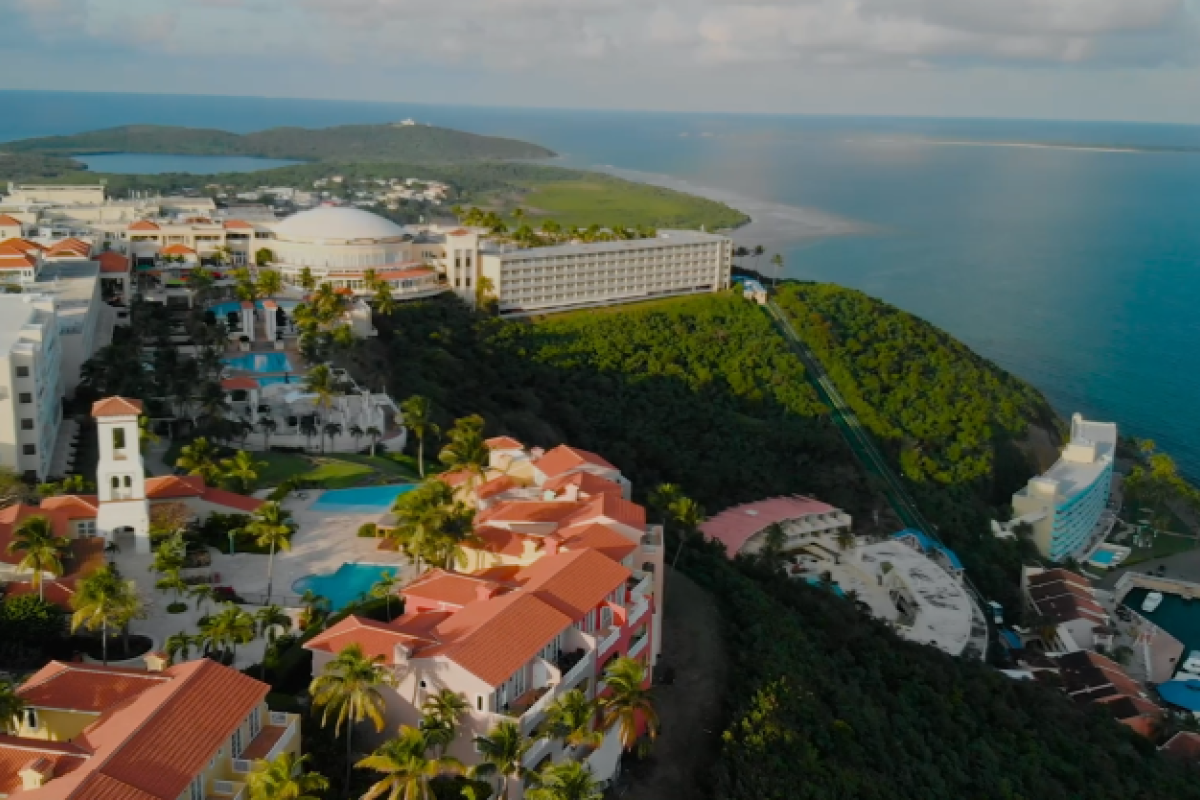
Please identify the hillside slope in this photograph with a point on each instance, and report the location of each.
(343, 144)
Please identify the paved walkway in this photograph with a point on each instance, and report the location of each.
(1182, 566)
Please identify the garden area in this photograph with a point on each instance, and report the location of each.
(330, 471)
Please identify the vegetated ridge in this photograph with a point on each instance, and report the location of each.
(824, 702)
(344, 143)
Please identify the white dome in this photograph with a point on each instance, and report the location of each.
(331, 223)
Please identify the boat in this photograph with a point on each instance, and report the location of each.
(1153, 601)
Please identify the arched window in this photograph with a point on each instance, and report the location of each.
(128, 482)
(118, 438)
(116, 482)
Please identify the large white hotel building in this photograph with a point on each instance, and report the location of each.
(1067, 506)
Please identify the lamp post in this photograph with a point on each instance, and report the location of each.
(232, 539)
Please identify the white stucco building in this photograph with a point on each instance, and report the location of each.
(30, 383)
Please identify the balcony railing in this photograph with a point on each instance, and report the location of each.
(643, 588)
(637, 647)
(538, 751)
(639, 611)
(584, 667)
(228, 790)
(609, 641)
(292, 723)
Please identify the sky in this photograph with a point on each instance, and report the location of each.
(1055, 59)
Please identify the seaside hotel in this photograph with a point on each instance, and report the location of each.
(1067, 506)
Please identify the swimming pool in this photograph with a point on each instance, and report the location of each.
(1103, 557)
(222, 310)
(833, 586)
(351, 582)
(260, 362)
(363, 500)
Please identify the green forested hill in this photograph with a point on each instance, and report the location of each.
(823, 702)
(344, 144)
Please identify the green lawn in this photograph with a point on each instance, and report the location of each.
(606, 202)
(1165, 544)
(333, 471)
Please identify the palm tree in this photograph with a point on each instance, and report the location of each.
(348, 691)
(567, 780)
(272, 527)
(466, 449)
(570, 718)
(203, 593)
(688, 515)
(179, 646)
(284, 778)
(172, 581)
(320, 381)
(267, 425)
(11, 704)
(445, 708)
(242, 470)
(503, 753)
(758, 253)
(416, 412)
(845, 540)
(314, 606)
(269, 618)
(356, 433)
(374, 433)
(308, 428)
(231, 627)
(406, 768)
(103, 600)
(628, 702)
(307, 281)
(330, 430)
(40, 548)
(199, 458)
(385, 302)
(269, 283)
(385, 587)
(777, 261)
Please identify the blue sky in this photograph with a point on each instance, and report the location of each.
(1074, 59)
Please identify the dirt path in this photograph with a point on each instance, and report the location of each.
(690, 708)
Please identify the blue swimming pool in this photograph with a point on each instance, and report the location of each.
(221, 310)
(260, 362)
(1103, 557)
(834, 587)
(363, 500)
(351, 582)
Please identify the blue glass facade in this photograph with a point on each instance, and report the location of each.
(1075, 519)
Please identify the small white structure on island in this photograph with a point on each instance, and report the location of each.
(753, 290)
(121, 473)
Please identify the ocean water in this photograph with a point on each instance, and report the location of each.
(150, 164)
(1078, 270)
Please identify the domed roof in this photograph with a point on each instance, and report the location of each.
(338, 224)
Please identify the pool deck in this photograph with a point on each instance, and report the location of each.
(323, 542)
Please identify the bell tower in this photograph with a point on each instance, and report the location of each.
(120, 472)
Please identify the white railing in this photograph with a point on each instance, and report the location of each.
(533, 715)
(537, 751)
(584, 667)
(285, 741)
(638, 647)
(639, 611)
(644, 587)
(610, 641)
(280, 719)
(231, 789)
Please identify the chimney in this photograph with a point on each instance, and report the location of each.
(535, 453)
(484, 591)
(156, 662)
(35, 774)
(552, 543)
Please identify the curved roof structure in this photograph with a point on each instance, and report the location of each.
(734, 527)
(337, 224)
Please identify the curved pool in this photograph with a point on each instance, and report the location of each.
(351, 583)
(362, 500)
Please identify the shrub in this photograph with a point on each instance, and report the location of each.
(368, 530)
(31, 620)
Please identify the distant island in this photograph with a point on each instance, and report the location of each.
(343, 144)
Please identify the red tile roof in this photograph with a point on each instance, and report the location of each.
(231, 384)
(587, 482)
(597, 537)
(564, 458)
(401, 274)
(573, 582)
(237, 224)
(503, 443)
(112, 262)
(456, 478)
(500, 541)
(528, 511)
(608, 506)
(86, 687)
(449, 590)
(61, 758)
(23, 245)
(71, 247)
(143, 225)
(8, 222)
(1184, 745)
(17, 261)
(116, 407)
(375, 638)
(178, 250)
(495, 486)
(241, 502)
(734, 526)
(173, 486)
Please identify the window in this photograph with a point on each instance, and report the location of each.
(26, 424)
(29, 449)
(22, 372)
(128, 482)
(26, 398)
(479, 702)
(196, 789)
(118, 438)
(255, 723)
(235, 745)
(86, 527)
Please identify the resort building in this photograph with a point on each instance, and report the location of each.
(1067, 507)
(743, 529)
(544, 279)
(31, 355)
(563, 580)
(1067, 604)
(186, 732)
(1090, 678)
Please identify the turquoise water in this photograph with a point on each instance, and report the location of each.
(1074, 269)
(147, 164)
(260, 362)
(350, 583)
(834, 588)
(1103, 556)
(364, 500)
(235, 306)
(1176, 616)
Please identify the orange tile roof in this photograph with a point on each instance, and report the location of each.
(456, 478)
(178, 250)
(221, 497)
(610, 507)
(173, 486)
(495, 486)
(116, 407)
(529, 511)
(61, 758)
(237, 224)
(71, 247)
(375, 638)
(86, 687)
(500, 541)
(23, 245)
(230, 384)
(16, 261)
(494, 638)
(143, 225)
(401, 274)
(564, 458)
(597, 537)
(111, 262)
(261, 745)
(1184, 745)
(450, 590)
(573, 582)
(588, 483)
(8, 222)
(503, 443)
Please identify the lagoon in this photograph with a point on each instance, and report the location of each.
(155, 164)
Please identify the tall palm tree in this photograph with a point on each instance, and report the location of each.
(356, 433)
(320, 381)
(688, 515)
(271, 526)
(571, 719)
(845, 540)
(307, 281)
(41, 550)
(758, 253)
(102, 601)
(567, 780)
(466, 449)
(229, 628)
(385, 587)
(199, 458)
(284, 778)
(269, 618)
(179, 646)
(777, 262)
(268, 426)
(203, 593)
(503, 753)
(242, 470)
(172, 581)
(11, 705)
(308, 428)
(314, 606)
(417, 411)
(330, 430)
(629, 702)
(406, 768)
(269, 283)
(374, 434)
(348, 692)
(385, 302)
(446, 708)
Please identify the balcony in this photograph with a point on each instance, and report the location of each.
(639, 611)
(537, 751)
(227, 790)
(276, 737)
(636, 648)
(609, 641)
(641, 586)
